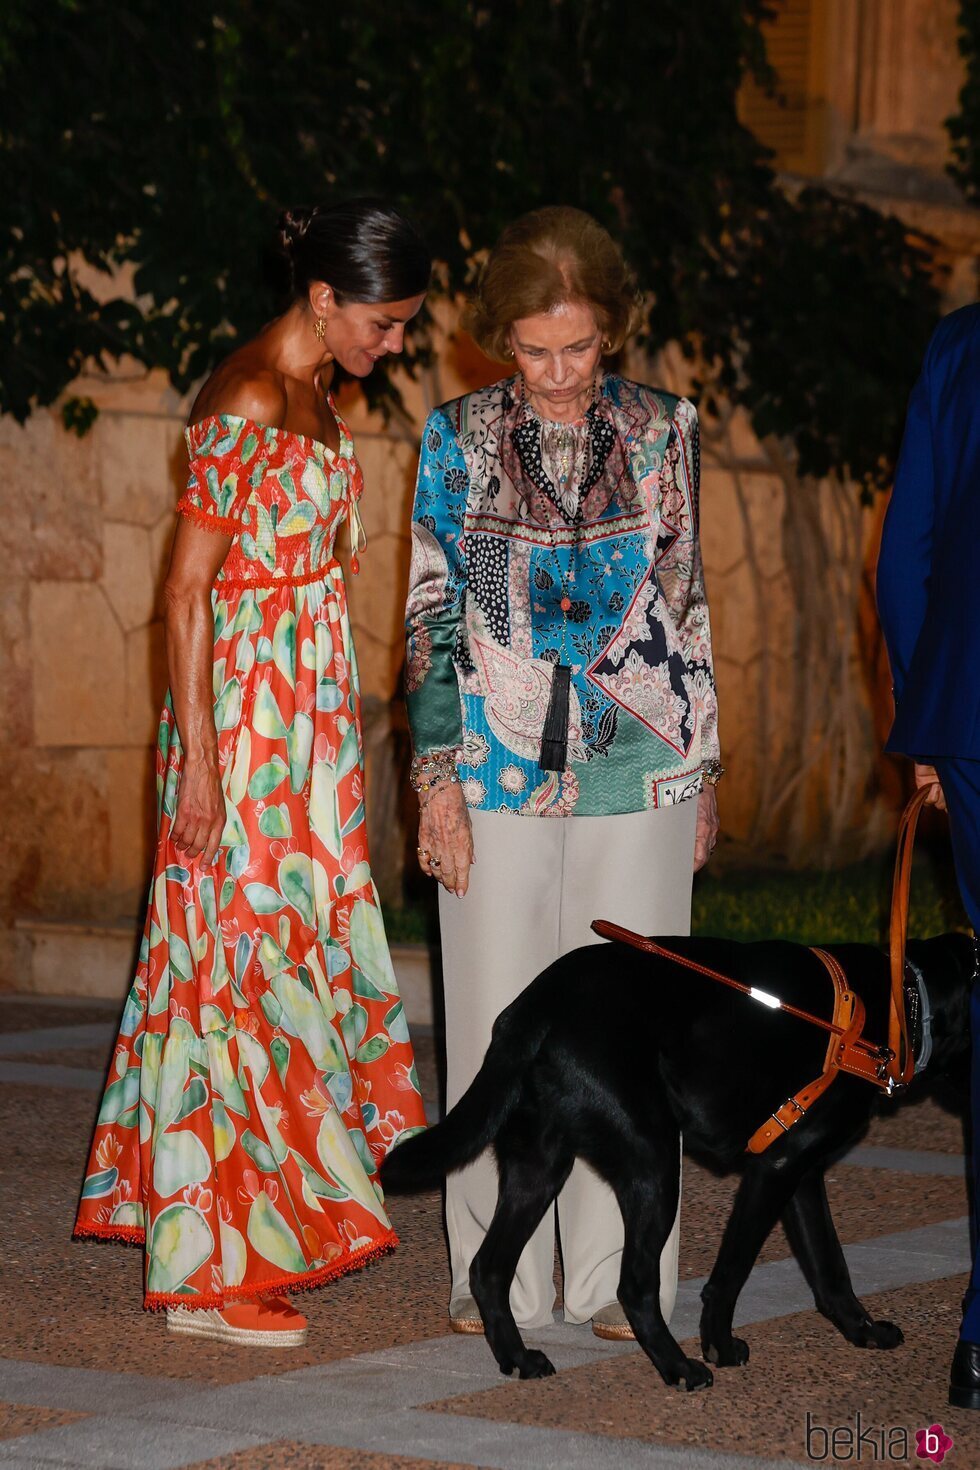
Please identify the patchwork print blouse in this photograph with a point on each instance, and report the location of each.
(509, 581)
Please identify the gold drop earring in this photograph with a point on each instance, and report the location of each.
(319, 328)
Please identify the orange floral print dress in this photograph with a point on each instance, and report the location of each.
(263, 1068)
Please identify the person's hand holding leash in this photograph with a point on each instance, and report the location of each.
(927, 776)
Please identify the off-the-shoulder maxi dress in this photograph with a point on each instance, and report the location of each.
(263, 1068)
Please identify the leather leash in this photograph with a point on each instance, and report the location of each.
(902, 1065)
(889, 1067)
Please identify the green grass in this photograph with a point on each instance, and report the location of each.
(848, 905)
(810, 907)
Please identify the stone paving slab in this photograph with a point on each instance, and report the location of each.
(23, 1381)
(372, 1401)
(291, 1455)
(32, 1012)
(19, 1419)
(498, 1446)
(118, 1443)
(51, 1038)
(30, 1074)
(906, 1161)
(798, 1364)
(381, 1385)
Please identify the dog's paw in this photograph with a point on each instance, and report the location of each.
(879, 1335)
(536, 1365)
(692, 1375)
(733, 1354)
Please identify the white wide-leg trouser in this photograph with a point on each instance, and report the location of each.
(536, 886)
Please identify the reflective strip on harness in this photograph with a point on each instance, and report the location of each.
(847, 1051)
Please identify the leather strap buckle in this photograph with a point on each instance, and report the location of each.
(791, 1102)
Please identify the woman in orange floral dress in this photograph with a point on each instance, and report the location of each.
(263, 1068)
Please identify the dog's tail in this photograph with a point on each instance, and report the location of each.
(473, 1124)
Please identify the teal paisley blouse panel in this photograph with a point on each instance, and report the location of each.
(437, 586)
(505, 586)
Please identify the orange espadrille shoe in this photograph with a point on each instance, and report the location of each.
(268, 1322)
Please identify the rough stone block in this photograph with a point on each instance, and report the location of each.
(413, 970)
(146, 684)
(764, 501)
(16, 679)
(131, 799)
(389, 466)
(55, 856)
(78, 659)
(377, 606)
(128, 575)
(143, 466)
(15, 960)
(722, 541)
(77, 959)
(52, 525)
(161, 540)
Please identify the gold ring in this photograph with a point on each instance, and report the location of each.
(423, 852)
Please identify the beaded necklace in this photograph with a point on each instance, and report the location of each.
(570, 452)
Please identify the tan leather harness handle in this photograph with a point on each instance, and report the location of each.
(890, 1066)
(609, 930)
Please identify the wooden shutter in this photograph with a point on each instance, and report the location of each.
(790, 122)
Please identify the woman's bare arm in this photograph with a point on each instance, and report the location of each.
(195, 560)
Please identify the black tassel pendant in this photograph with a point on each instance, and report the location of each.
(554, 738)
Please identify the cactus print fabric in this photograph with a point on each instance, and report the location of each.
(263, 1068)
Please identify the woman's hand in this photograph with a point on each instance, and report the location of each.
(706, 832)
(200, 817)
(927, 776)
(446, 837)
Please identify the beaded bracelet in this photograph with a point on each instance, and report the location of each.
(438, 765)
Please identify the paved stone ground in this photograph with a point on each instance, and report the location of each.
(89, 1380)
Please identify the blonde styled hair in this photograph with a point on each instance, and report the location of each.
(541, 261)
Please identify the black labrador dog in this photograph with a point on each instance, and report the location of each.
(611, 1054)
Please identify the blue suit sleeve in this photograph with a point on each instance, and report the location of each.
(905, 559)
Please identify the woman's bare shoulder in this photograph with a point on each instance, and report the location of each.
(242, 389)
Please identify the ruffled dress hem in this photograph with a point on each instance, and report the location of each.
(158, 1301)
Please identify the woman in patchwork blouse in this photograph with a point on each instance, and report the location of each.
(560, 692)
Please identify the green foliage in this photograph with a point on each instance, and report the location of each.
(155, 146)
(964, 127)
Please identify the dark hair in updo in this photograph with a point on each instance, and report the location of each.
(363, 248)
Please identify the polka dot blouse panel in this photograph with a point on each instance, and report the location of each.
(488, 581)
